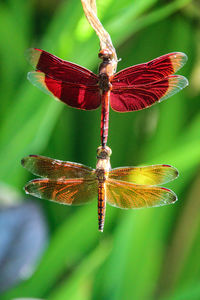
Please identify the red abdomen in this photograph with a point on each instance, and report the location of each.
(101, 205)
(104, 117)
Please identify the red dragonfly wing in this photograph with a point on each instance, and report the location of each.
(56, 169)
(148, 175)
(70, 192)
(73, 94)
(153, 70)
(71, 83)
(137, 97)
(60, 69)
(128, 195)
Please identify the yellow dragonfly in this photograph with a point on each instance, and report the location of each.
(75, 184)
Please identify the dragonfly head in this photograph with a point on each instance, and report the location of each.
(104, 152)
(105, 54)
(109, 62)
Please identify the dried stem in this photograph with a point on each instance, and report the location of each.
(90, 10)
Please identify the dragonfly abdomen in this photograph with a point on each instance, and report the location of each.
(101, 205)
(104, 117)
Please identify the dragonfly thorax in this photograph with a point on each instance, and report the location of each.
(103, 163)
(107, 67)
(104, 82)
(102, 175)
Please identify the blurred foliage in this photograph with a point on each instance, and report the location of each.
(142, 254)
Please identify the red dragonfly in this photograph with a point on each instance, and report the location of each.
(75, 184)
(131, 89)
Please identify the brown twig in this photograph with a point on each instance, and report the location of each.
(90, 10)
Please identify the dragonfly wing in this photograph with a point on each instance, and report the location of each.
(132, 98)
(153, 70)
(55, 169)
(70, 192)
(77, 95)
(59, 69)
(148, 175)
(128, 195)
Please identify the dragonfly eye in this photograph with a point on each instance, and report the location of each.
(108, 151)
(105, 54)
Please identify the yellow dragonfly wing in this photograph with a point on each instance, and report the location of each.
(128, 195)
(148, 175)
(56, 169)
(70, 192)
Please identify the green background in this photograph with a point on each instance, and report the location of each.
(142, 254)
